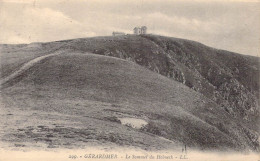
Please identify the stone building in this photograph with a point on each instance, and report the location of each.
(118, 33)
(140, 30)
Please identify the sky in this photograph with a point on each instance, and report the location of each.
(232, 25)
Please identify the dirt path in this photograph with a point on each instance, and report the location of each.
(25, 67)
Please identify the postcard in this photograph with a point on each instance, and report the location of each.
(123, 80)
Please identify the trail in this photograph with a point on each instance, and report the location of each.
(25, 67)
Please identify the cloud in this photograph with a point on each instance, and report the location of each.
(17, 1)
(32, 24)
(230, 25)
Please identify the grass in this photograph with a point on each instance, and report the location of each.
(85, 93)
(229, 79)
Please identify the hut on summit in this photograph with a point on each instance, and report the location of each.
(118, 33)
(140, 30)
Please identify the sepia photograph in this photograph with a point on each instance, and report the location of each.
(118, 80)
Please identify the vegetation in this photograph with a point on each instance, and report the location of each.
(188, 93)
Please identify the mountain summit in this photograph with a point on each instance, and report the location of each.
(186, 92)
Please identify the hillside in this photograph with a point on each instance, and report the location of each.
(229, 79)
(192, 94)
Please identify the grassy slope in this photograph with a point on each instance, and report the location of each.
(229, 79)
(82, 93)
(12, 57)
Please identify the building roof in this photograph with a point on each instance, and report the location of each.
(116, 32)
(143, 27)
